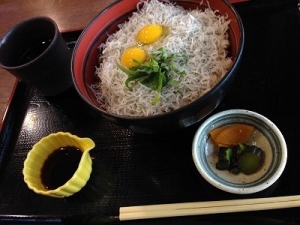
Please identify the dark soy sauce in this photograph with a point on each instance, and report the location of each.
(60, 166)
(34, 51)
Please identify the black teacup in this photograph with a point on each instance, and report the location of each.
(35, 52)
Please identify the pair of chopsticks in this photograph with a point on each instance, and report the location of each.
(209, 207)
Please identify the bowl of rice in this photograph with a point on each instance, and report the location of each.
(158, 66)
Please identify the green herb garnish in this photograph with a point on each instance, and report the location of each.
(157, 72)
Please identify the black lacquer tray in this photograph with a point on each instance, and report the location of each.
(137, 169)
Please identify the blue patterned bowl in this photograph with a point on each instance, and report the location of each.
(266, 135)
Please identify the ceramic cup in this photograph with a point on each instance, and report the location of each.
(35, 52)
(43, 149)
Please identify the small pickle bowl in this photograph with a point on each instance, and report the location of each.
(264, 135)
(39, 156)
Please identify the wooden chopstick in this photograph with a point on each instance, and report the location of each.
(209, 207)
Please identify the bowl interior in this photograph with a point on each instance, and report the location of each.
(266, 136)
(86, 52)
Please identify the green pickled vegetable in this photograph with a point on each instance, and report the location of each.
(224, 158)
(233, 160)
(250, 160)
(240, 158)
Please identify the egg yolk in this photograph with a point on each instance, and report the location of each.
(149, 34)
(133, 53)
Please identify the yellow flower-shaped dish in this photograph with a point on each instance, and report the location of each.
(40, 152)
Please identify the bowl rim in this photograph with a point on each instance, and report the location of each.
(214, 89)
(241, 190)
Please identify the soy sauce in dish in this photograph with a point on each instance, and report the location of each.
(60, 166)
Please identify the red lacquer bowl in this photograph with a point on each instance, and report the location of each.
(85, 60)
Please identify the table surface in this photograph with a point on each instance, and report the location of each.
(122, 152)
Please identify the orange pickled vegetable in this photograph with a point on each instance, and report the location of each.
(215, 132)
(232, 135)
